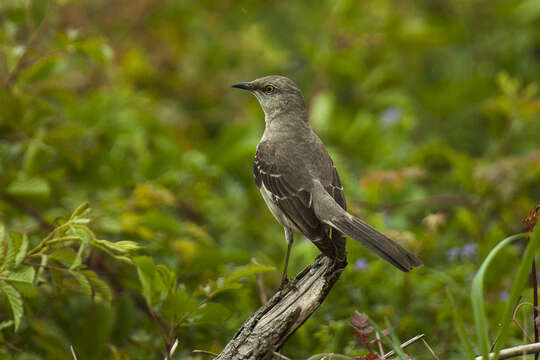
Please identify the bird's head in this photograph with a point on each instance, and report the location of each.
(276, 94)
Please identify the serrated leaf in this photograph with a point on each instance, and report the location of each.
(247, 270)
(23, 249)
(36, 187)
(14, 242)
(2, 239)
(83, 281)
(146, 269)
(99, 286)
(6, 324)
(2, 232)
(24, 274)
(167, 278)
(177, 304)
(211, 313)
(15, 302)
(122, 247)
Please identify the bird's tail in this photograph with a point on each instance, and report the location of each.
(331, 213)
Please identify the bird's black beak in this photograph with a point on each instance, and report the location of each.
(243, 85)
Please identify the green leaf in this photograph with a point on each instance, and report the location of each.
(66, 256)
(39, 71)
(14, 243)
(247, 270)
(167, 278)
(2, 232)
(6, 324)
(83, 281)
(519, 283)
(211, 313)
(460, 327)
(33, 187)
(477, 292)
(391, 339)
(23, 249)
(100, 287)
(2, 239)
(177, 304)
(15, 302)
(79, 258)
(81, 211)
(146, 269)
(38, 10)
(123, 247)
(24, 274)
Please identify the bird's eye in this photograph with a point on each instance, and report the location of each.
(269, 89)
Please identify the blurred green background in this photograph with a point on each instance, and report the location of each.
(430, 110)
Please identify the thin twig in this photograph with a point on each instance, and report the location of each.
(161, 331)
(391, 354)
(430, 349)
(514, 351)
(281, 356)
(330, 356)
(381, 350)
(517, 322)
(205, 352)
(173, 349)
(73, 352)
(12, 347)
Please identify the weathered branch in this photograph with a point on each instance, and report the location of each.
(268, 328)
(515, 351)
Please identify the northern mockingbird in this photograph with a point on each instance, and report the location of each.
(300, 184)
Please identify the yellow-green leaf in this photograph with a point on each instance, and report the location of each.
(15, 302)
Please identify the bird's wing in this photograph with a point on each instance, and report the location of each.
(335, 189)
(294, 201)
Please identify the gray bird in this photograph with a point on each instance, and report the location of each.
(300, 184)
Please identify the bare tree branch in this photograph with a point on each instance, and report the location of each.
(269, 327)
(515, 351)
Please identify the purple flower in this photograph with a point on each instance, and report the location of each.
(361, 264)
(453, 253)
(504, 295)
(390, 115)
(469, 250)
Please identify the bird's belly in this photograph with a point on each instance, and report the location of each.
(275, 210)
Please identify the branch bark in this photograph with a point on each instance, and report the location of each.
(515, 351)
(269, 327)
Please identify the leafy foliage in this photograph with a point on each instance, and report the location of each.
(430, 111)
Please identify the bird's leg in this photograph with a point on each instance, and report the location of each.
(289, 238)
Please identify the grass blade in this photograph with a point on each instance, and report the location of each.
(463, 338)
(477, 291)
